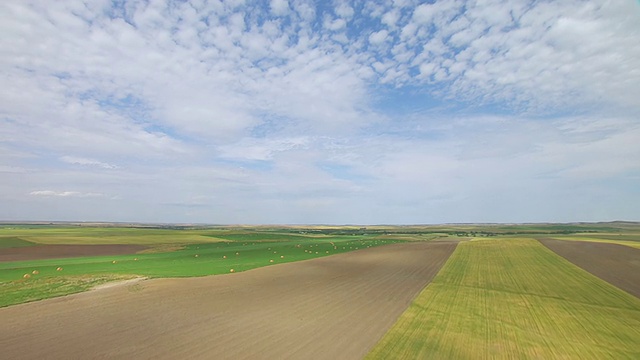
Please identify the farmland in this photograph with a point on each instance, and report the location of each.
(325, 308)
(514, 298)
(446, 291)
(212, 253)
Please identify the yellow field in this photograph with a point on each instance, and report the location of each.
(515, 299)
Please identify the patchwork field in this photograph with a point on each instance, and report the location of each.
(88, 235)
(515, 299)
(335, 307)
(334, 292)
(50, 271)
(617, 264)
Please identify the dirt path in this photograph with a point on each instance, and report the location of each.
(335, 307)
(617, 264)
(65, 251)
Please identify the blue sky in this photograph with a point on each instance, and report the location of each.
(335, 112)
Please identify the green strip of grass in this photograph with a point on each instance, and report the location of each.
(514, 299)
(13, 242)
(32, 289)
(191, 260)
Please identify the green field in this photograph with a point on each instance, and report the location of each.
(14, 242)
(228, 250)
(514, 298)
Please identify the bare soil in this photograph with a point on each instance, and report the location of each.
(65, 251)
(335, 307)
(617, 264)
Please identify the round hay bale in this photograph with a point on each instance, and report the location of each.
(237, 253)
(271, 260)
(327, 252)
(26, 276)
(58, 269)
(275, 252)
(281, 256)
(35, 272)
(196, 255)
(231, 270)
(224, 256)
(114, 262)
(135, 259)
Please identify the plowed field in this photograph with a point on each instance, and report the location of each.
(335, 307)
(619, 265)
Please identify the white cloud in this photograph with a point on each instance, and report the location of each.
(379, 37)
(344, 10)
(64, 193)
(88, 162)
(279, 7)
(538, 59)
(334, 24)
(390, 18)
(251, 149)
(424, 13)
(427, 69)
(305, 9)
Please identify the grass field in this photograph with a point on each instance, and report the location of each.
(514, 299)
(240, 252)
(13, 242)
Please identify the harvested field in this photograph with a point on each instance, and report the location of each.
(65, 251)
(335, 307)
(619, 265)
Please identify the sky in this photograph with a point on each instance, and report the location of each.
(320, 112)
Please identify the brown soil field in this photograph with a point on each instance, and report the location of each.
(64, 251)
(336, 307)
(617, 264)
